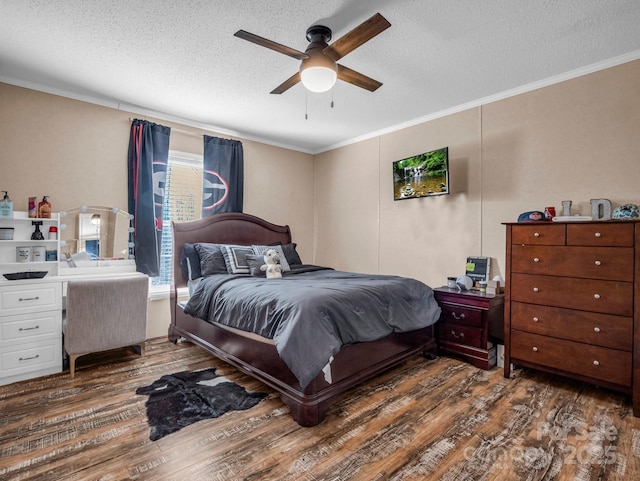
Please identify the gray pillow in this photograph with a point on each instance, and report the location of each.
(291, 254)
(235, 257)
(211, 259)
(255, 263)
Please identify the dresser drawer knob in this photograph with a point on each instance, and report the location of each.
(536, 259)
(457, 316)
(596, 363)
(598, 263)
(596, 296)
(535, 319)
(596, 329)
(535, 289)
(535, 349)
(598, 234)
(537, 234)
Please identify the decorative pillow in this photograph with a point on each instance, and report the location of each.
(260, 250)
(189, 259)
(235, 257)
(255, 262)
(211, 260)
(290, 253)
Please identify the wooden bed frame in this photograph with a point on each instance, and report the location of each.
(351, 365)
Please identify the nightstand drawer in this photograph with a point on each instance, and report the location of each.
(607, 263)
(610, 297)
(460, 315)
(469, 336)
(596, 362)
(604, 330)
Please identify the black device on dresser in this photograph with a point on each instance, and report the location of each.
(471, 324)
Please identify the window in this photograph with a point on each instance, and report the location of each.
(182, 202)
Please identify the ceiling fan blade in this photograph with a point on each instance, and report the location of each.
(356, 78)
(356, 37)
(263, 42)
(287, 84)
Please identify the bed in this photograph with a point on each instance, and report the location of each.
(258, 356)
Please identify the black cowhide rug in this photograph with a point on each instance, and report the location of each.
(180, 399)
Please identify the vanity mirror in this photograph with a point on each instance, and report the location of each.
(100, 232)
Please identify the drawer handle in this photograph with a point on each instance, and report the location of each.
(459, 317)
(535, 319)
(596, 329)
(29, 358)
(28, 328)
(461, 336)
(596, 296)
(536, 259)
(598, 234)
(28, 299)
(598, 263)
(537, 234)
(535, 289)
(596, 363)
(535, 349)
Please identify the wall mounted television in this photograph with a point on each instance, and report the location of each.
(422, 175)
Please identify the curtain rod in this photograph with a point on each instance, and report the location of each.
(131, 119)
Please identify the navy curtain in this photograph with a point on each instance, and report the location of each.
(148, 157)
(223, 176)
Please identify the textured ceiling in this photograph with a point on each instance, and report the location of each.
(178, 59)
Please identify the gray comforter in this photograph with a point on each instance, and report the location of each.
(311, 313)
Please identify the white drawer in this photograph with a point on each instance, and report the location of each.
(30, 327)
(26, 298)
(37, 358)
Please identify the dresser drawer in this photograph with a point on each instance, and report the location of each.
(30, 326)
(596, 362)
(26, 298)
(604, 330)
(601, 234)
(539, 234)
(608, 263)
(610, 297)
(32, 357)
(469, 336)
(460, 315)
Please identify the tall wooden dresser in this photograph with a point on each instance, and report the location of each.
(572, 301)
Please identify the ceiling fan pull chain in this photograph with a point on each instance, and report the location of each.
(332, 88)
(306, 105)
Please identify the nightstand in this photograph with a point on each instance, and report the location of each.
(471, 324)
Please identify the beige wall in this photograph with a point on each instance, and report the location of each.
(576, 140)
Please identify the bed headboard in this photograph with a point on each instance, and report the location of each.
(225, 228)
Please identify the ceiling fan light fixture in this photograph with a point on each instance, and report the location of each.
(318, 73)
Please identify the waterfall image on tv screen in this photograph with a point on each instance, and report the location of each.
(422, 175)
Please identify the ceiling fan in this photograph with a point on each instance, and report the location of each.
(318, 67)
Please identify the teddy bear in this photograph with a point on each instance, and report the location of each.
(272, 266)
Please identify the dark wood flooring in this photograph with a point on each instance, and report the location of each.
(424, 420)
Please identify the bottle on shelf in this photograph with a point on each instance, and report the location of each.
(44, 208)
(6, 206)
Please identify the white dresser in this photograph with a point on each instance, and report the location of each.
(30, 329)
(30, 310)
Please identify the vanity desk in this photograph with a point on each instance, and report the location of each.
(31, 310)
